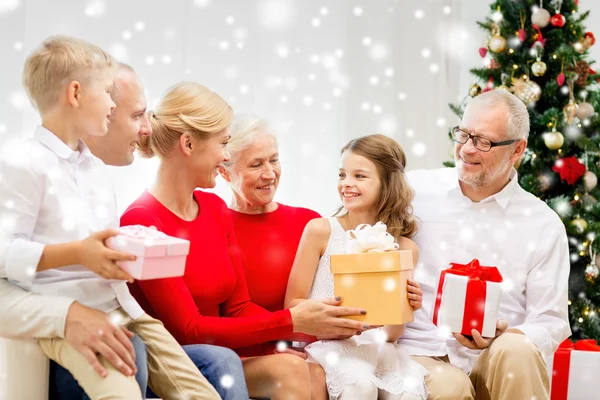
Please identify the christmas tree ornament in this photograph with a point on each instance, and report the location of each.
(521, 33)
(482, 52)
(589, 199)
(560, 79)
(588, 40)
(570, 169)
(526, 90)
(538, 38)
(591, 271)
(475, 90)
(570, 111)
(538, 68)
(590, 181)
(586, 110)
(579, 224)
(558, 20)
(497, 43)
(553, 140)
(540, 17)
(543, 182)
(582, 69)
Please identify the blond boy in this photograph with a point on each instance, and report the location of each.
(58, 207)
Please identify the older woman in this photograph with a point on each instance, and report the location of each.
(210, 303)
(267, 232)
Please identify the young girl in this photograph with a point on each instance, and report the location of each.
(372, 188)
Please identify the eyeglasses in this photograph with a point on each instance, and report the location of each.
(480, 143)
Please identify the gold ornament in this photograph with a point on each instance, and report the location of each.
(526, 90)
(475, 90)
(580, 224)
(538, 68)
(590, 181)
(585, 110)
(497, 43)
(570, 111)
(553, 140)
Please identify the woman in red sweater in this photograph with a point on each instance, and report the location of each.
(267, 232)
(210, 303)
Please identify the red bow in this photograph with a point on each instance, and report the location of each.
(562, 365)
(476, 290)
(569, 169)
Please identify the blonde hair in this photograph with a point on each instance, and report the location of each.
(394, 203)
(187, 107)
(56, 62)
(245, 128)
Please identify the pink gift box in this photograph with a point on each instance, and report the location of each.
(158, 255)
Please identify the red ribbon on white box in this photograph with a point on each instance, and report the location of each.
(561, 366)
(477, 276)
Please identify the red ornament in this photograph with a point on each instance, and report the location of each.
(591, 37)
(490, 85)
(569, 169)
(560, 79)
(522, 35)
(558, 20)
(482, 51)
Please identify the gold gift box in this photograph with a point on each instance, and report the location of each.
(375, 282)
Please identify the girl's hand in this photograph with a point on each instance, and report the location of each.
(415, 294)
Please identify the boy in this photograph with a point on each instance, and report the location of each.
(55, 193)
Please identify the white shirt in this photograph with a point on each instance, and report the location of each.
(52, 194)
(512, 230)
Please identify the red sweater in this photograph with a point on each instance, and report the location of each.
(210, 303)
(268, 244)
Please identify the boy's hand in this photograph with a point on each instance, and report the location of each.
(415, 294)
(98, 258)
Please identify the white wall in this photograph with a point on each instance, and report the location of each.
(321, 71)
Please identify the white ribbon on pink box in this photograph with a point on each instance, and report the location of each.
(158, 255)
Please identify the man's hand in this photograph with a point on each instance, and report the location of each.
(98, 258)
(415, 294)
(321, 318)
(478, 342)
(91, 333)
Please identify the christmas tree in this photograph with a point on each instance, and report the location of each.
(538, 50)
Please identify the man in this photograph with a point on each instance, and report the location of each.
(24, 314)
(478, 211)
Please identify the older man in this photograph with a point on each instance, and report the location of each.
(478, 211)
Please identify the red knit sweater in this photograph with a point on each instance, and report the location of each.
(210, 303)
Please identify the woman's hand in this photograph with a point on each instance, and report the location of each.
(321, 318)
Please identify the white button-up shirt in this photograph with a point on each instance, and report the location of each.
(52, 194)
(512, 230)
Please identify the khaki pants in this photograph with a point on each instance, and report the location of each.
(172, 375)
(511, 368)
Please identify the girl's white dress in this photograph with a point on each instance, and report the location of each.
(367, 356)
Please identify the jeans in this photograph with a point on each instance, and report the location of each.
(222, 367)
(64, 387)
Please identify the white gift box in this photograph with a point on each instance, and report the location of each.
(23, 370)
(158, 255)
(582, 380)
(465, 302)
